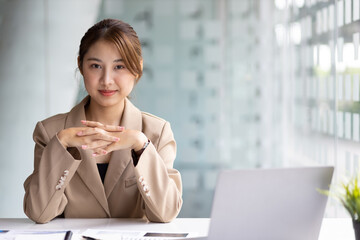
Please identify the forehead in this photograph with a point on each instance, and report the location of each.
(104, 50)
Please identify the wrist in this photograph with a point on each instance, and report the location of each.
(140, 144)
(61, 137)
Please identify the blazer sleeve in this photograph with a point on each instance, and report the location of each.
(54, 167)
(158, 182)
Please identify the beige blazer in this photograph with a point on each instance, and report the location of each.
(60, 184)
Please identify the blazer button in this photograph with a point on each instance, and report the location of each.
(58, 187)
(66, 172)
(143, 183)
(146, 189)
(147, 194)
(141, 179)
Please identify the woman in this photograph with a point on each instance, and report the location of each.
(105, 158)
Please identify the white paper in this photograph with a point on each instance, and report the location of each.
(348, 87)
(355, 10)
(340, 87)
(356, 37)
(356, 127)
(340, 124)
(348, 125)
(356, 88)
(37, 235)
(106, 234)
(340, 13)
(347, 11)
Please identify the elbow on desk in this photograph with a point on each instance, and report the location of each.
(166, 215)
(39, 219)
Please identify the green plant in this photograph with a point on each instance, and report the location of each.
(349, 196)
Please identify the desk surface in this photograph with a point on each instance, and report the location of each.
(331, 229)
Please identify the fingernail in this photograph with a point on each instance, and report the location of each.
(83, 121)
(84, 146)
(79, 133)
(94, 154)
(116, 139)
(121, 128)
(104, 152)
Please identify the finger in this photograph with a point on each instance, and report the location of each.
(92, 123)
(110, 128)
(113, 128)
(96, 145)
(97, 134)
(99, 152)
(109, 148)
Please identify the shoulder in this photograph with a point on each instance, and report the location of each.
(154, 126)
(51, 125)
(55, 121)
(152, 119)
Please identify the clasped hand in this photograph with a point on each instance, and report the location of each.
(101, 139)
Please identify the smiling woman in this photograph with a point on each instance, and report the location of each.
(105, 158)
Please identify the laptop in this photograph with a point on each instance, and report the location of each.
(272, 204)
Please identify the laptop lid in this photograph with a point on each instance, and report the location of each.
(269, 203)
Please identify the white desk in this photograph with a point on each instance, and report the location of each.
(331, 229)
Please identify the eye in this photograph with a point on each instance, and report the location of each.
(95, 65)
(119, 67)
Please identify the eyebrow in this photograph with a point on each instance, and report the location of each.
(98, 60)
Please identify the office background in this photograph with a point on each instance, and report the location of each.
(244, 83)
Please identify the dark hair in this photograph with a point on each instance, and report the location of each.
(122, 35)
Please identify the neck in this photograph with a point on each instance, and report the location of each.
(105, 115)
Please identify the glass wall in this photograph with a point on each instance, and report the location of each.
(244, 83)
(317, 50)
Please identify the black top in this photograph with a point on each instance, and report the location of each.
(102, 167)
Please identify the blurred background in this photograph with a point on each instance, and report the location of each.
(244, 83)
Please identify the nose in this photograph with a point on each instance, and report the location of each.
(106, 77)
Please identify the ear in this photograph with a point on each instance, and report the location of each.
(78, 62)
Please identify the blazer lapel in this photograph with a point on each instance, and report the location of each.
(87, 169)
(131, 119)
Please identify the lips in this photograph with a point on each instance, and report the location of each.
(107, 93)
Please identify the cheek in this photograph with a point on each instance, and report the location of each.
(126, 82)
